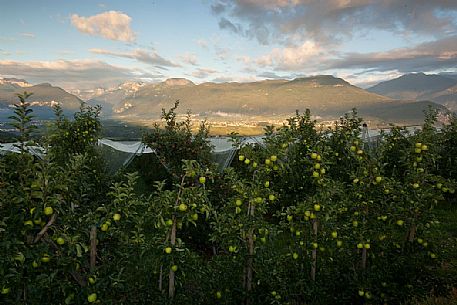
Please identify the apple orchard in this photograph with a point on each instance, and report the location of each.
(313, 216)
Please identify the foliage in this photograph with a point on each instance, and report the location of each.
(313, 216)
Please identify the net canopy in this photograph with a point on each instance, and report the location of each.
(34, 150)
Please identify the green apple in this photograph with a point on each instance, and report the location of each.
(91, 280)
(400, 222)
(424, 147)
(202, 180)
(263, 239)
(420, 240)
(48, 211)
(361, 293)
(355, 223)
(218, 295)
(317, 207)
(60, 241)
(307, 213)
(353, 148)
(194, 217)
(317, 166)
(267, 184)
(295, 255)
(315, 245)
(359, 246)
(258, 200)
(169, 222)
(45, 258)
(334, 234)
(360, 152)
(313, 156)
(117, 217)
(355, 181)
(417, 150)
(168, 250)
(290, 217)
(367, 246)
(28, 223)
(273, 158)
(416, 185)
(5, 290)
(34, 264)
(339, 243)
(174, 268)
(241, 157)
(237, 210)
(267, 161)
(378, 179)
(297, 233)
(254, 164)
(418, 145)
(238, 202)
(247, 161)
(91, 298)
(271, 197)
(104, 227)
(182, 207)
(315, 174)
(318, 158)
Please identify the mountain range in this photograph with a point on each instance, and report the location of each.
(441, 89)
(401, 100)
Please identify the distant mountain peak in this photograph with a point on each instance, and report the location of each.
(321, 80)
(178, 82)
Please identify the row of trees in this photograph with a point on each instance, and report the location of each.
(311, 217)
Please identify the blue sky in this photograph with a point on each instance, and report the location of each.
(87, 44)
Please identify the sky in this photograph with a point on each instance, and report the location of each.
(88, 44)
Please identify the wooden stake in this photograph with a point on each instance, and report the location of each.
(171, 275)
(314, 254)
(93, 247)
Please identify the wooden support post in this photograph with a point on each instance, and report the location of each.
(93, 247)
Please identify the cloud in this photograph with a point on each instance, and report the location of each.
(149, 57)
(428, 56)
(111, 25)
(224, 23)
(202, 43)
(270, 75)
(325, 21)
(28, 35)
(189, 58)
(74, 74)
(203, 72)
(293, 58)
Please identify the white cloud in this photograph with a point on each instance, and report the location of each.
(189, 58)
(72, 74)
(111, 25)
(28, 35)
(292, 58)
(203, 72)
(150, 57)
